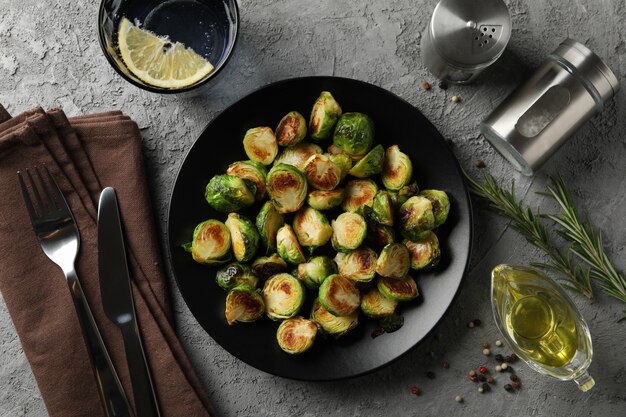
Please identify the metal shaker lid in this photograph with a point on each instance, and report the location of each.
(470, 33)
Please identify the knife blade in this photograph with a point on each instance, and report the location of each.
(117, 300)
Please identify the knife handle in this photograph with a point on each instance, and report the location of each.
(143, 390)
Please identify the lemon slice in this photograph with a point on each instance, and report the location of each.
(157, 61)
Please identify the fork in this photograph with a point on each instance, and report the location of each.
(59, 238)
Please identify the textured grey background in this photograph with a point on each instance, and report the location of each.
(49, 55)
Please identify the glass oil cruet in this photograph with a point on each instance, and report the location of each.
(541, 324)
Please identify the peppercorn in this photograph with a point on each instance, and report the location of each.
(498, 342)
(499, 358)
(510, 369)
(443, 85)
(455, 99)
(430, 375)
(482, 369)
(485, 387)
(498, 368)
(504, 366)
(490, 380)
(508, 387)
(473, 378)
(480, 389)
(426, 85)
(513, 357)
(514, 378)
(485, 345)
(486, 352)
(508, 359)
(458, 399)
(516, 384)
(415, 390)
(482, 378)
(445, 365)
(479, 163)
(477, 322)
(472, 372)
(470, 324)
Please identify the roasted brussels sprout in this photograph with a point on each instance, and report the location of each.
(336, 150)
(244, 305)
(379, 235)
(324, 116)
(253, 171)
(382, 208)
(297, 155)
(243, 235)
(339, 295)
(394, 261)
(268, 221)
(266, 266)
(354, 134)
(314, 272)
(311, 227)
(358, 265)
(260, 145)
(416, 216)
(211, 243)
(296, 335)
(425, 252)
(331, 325)
(359, 193)
(349, 231)
(441, 204)
(397, 169)
(286, 187)
(283, 295)
(288, 247)
(227, 193)
(291, 129)
(234, 275)
(321, 172)
(398, 289)
(343, 161)
(325, 199)
(376, 305)
(399, 197)
(371, 164)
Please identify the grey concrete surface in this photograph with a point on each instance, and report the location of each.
(49, 55)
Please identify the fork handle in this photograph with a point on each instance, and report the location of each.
(110, 389)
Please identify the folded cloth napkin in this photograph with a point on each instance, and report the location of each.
(85, 154)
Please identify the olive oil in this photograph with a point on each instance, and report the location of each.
(541, 324)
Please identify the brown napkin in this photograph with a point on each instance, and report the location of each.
(84, 155)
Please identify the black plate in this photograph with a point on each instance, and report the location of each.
(396, 122)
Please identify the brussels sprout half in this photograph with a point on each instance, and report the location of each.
(359, 193)
(268, 221)
(288, 247)
(244, 236)
(253, 171)
(349, 231)
(441, 204)
(325, 199)
(297, 155)
(379, 235)
(397, 169)
(260, 145)
(330, 324)
(416, 216)
(382, 208)
(324, 115)
(266, 266)
(339, 295)
(399, 197)
(311, 227)
(354, 134)
(227, 193)
(321, 172)
(343, 161)
(315, 271)
(394, 261)
(286, 187)
(283, 295)
(211, 243)
(296, 335)
(291, 129)
(371, 164)
(398, 289)
(376, 305)
(425, 252)
(358, 265)
(244, 305)
(234, 275)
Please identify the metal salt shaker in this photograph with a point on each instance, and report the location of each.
(465, 37)
(569, 87)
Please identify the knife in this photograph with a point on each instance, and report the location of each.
(117, 300)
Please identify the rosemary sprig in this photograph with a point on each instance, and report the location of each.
(530, 226)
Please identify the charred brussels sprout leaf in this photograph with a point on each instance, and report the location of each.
(266, 266)
(244, 237)
(291, 129)
(321, 172)
(376, 305)
(297, 155)
(324, 116)
(331, 325)
(382, 208)
(343, 161)
(441, 204)
(287, 188)
(349, 231)
(416, 216)
(288, 247)
(253, 171)
(227, 193)
(268, 221)
(354, 134)
(398, 289)
(296, 335)
(371, 164)
(399, 197)
(425, 252)
(325, 199)
(397, 169)
(211, 243)
(283, 295)
(339, 295)
(358, 265)
(244, 305)
(260, 145)
(379, 235)
(394, 261)
(391, 323)
(359, 193)
(311, 227)
(234, 275)
(314, 272)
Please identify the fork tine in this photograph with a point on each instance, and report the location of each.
(46, 190)
(35, 189)
(27, 199)
(56, 190)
